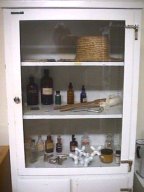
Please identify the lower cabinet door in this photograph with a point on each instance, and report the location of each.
(43, 185)
(99, 184)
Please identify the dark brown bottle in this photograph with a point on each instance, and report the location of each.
(73, 144)
(59, 144)
(49, 145)
(70, 94)
(32, 92)
(46, 89)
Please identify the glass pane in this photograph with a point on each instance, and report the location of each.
(101, 82)
(53, 126)
(91, 133)
(80, 40)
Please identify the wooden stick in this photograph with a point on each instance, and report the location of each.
(95, 103)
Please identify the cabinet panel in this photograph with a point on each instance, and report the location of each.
(99, 184)
(45, 185)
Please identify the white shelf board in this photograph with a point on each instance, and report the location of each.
(72, 64)
(69, 163)
(47, 112)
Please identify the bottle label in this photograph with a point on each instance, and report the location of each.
(47, 91)
(59, 148)
(40, 147)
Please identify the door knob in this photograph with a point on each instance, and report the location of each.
(17, 100)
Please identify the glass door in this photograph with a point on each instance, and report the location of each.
(74, 110)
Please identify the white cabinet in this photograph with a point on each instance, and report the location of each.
(100, 183)
(56, 185)
(98, 48)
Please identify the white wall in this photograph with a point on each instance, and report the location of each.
(3, 105)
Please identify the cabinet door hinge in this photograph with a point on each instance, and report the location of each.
(130, 164)
(126, 189)
(135, 27)
(17, 12)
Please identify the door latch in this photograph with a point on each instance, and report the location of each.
(135, 27)
(128, 162)
(126, 189)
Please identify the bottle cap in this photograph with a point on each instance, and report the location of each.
(70, 85)
(57, 92)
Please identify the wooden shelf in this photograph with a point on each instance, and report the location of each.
(47, 112)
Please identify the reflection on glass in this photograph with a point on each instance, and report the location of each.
(72, 40)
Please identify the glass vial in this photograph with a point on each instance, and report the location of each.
(73, 144)
(34, 153)
(59, 144)
(57, 98)
(49, 145)
(46, 89)
(70, 94)
(85, 141)
(83, 96)
(109, 141)
(117, 156)
(40, 146)
(32, 92)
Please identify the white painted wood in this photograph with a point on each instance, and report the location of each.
(47, 112)
(101, 183)
(56, 185)
(16, 116)
(73, 4)
(72, 64)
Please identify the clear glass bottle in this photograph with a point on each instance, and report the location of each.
(46, 89)
(34, 153)
(109, 141)
(40, 145)
(83, 96)
(49, 145)
(70, 94)
(85, 141)
(32, 92)
(59, 144)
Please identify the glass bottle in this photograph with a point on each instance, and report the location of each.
(34, 154)
(70, 94)
(109, 141)
(73, 144)
(59, 144)
(46, 89)
(32, 92)
(85, 141)
(83, 96)
(49, 145)
(57, 98)
(40, 145)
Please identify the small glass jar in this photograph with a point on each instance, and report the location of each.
(117, 156)
(85, 141)
(57, 98)
(109, 142)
